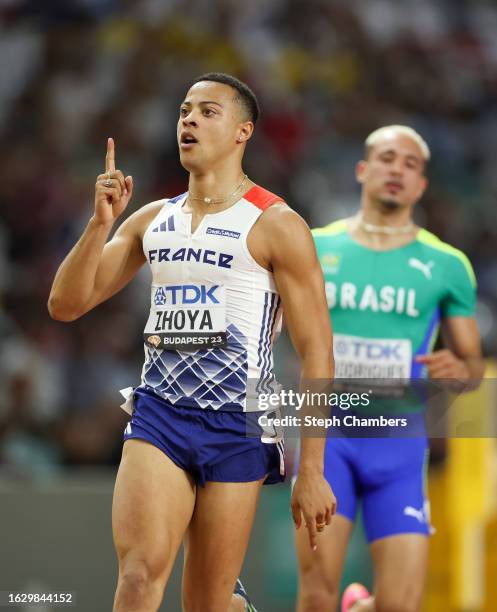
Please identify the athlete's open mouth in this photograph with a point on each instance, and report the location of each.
(188, 138)
(394, 185)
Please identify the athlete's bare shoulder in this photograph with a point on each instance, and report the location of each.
(281, 224)
(282, 215)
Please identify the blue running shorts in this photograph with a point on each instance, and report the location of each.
(388, 475)
(211, 445)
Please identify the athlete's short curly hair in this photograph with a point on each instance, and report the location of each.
(245, 96)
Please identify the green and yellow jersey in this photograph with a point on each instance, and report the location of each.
(386, 306)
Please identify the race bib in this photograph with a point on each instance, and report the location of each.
(357, 357)
(186, 317)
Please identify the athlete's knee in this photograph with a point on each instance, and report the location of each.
(317, 592)
(394, 602)
(317, 600)
(139, 582)
(206, 603)
(135, 583)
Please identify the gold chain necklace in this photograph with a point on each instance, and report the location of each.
(221, 200)
(385, 229)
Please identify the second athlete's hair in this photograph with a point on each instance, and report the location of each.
(401, 129)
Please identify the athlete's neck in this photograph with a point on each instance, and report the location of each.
(385, 214)
(381, 229)
(216, 190)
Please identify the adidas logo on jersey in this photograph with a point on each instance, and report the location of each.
(166, 226)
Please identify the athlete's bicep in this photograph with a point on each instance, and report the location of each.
(121, 259)
(300, 283)
(461, 336)
(123, 256)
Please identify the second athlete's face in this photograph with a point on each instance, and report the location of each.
(393, 174)
(211, 127)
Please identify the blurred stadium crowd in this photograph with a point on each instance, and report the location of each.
(326, 72)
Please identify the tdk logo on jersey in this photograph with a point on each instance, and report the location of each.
(224, 233)
(186, 294)
(206, 256)
(370, 350)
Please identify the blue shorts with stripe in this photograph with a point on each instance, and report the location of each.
(211, 445)
(388, 475)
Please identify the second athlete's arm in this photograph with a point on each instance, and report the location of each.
(462, 359)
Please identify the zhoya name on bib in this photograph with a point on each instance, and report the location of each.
(187, 317)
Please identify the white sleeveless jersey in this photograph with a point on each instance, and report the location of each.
(215, 312)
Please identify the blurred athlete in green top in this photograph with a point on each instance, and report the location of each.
(390, 287)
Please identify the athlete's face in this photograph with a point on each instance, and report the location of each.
(212, 126)
(393, 174)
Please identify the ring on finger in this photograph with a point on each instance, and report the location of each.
(108, 181)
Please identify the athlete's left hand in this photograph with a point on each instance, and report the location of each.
(312, 499)
(444, 364)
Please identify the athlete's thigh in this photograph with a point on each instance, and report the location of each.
(216, 542)
(394, 483)
(152, 506)
(400, 564)
(397, 520)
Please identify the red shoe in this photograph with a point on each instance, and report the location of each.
(353, 593)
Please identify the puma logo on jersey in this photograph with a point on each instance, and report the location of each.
(425, 268)
(415, 513)
(422, 515)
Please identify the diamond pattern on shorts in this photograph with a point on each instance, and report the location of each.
(208, 378)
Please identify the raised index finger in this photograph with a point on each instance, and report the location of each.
(110, 160)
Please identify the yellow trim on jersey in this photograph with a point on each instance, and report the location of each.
(336, 227)
(430, 239)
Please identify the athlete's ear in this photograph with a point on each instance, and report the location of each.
(360, 171)
(244, 132)
(424, 185)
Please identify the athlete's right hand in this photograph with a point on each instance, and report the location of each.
(314, 501)
(110, 202)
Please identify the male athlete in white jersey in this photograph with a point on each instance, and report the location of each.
(390, 286)
(225, 257)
